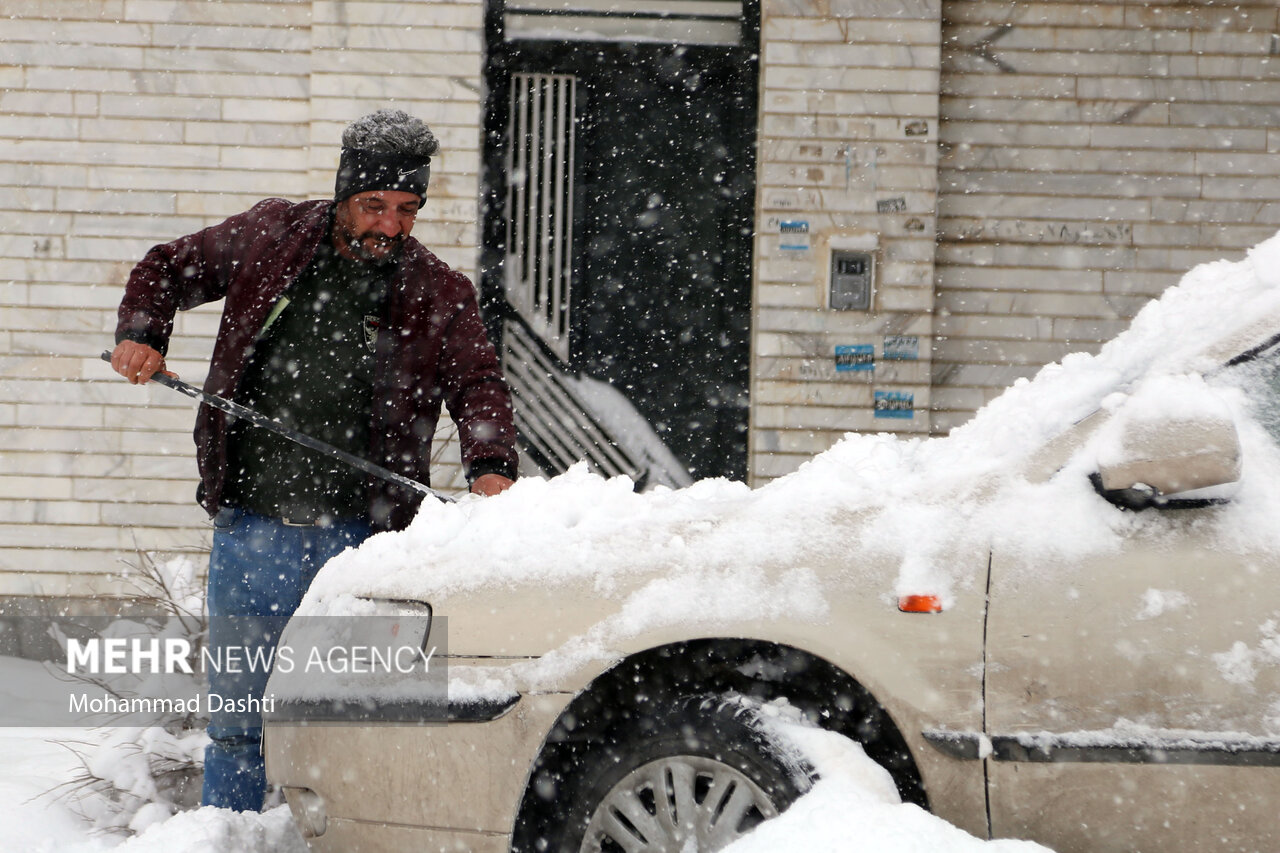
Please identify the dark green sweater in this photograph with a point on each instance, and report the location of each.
(311, 369)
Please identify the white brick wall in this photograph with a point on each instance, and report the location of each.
(124, 124)
(1092, 153)
(849, 109)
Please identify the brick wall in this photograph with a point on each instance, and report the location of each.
(1092, 152)
(123, 124)
(848, 142)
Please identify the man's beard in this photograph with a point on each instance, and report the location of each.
(356, 244)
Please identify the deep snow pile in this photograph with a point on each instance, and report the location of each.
(702, 555)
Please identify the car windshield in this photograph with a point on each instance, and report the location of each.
(1259, 377)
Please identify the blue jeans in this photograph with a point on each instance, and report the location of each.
(259, 570)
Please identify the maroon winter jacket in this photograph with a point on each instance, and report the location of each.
(432, 349)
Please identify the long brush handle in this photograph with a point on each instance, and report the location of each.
(260, 420)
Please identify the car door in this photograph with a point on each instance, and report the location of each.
(1133, 697)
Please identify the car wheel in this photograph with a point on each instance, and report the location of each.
(696, 770)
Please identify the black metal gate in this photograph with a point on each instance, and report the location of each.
(619, 189)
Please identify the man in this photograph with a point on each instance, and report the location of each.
(343, 327)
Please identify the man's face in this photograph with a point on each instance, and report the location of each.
(373, 225)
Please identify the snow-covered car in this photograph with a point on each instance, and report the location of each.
(1059, 623)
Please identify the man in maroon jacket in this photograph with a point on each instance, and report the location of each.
(340, 325)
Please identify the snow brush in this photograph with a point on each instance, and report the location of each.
(260, 420)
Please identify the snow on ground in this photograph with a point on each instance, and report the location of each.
(41, 810)
(210, 830)
(32, 821)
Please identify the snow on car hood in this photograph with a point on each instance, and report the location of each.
(702, 546)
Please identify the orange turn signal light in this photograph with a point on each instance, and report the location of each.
(920, 604)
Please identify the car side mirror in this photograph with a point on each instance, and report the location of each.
(1175, 463)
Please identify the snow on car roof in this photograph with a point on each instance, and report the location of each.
(914, 498)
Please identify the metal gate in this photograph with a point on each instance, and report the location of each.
(618, 217)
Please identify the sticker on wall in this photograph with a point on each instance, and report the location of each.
(795, 235)
(901, 347)
(895, 404)
(855, 357)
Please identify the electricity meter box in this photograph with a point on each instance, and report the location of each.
(851, 273)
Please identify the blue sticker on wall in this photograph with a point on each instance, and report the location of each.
(855, 357)
(901, 347)
(794, 235)
(895, 404)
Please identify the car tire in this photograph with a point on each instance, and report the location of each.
(694, 767)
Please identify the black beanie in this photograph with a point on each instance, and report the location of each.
(361, 171)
